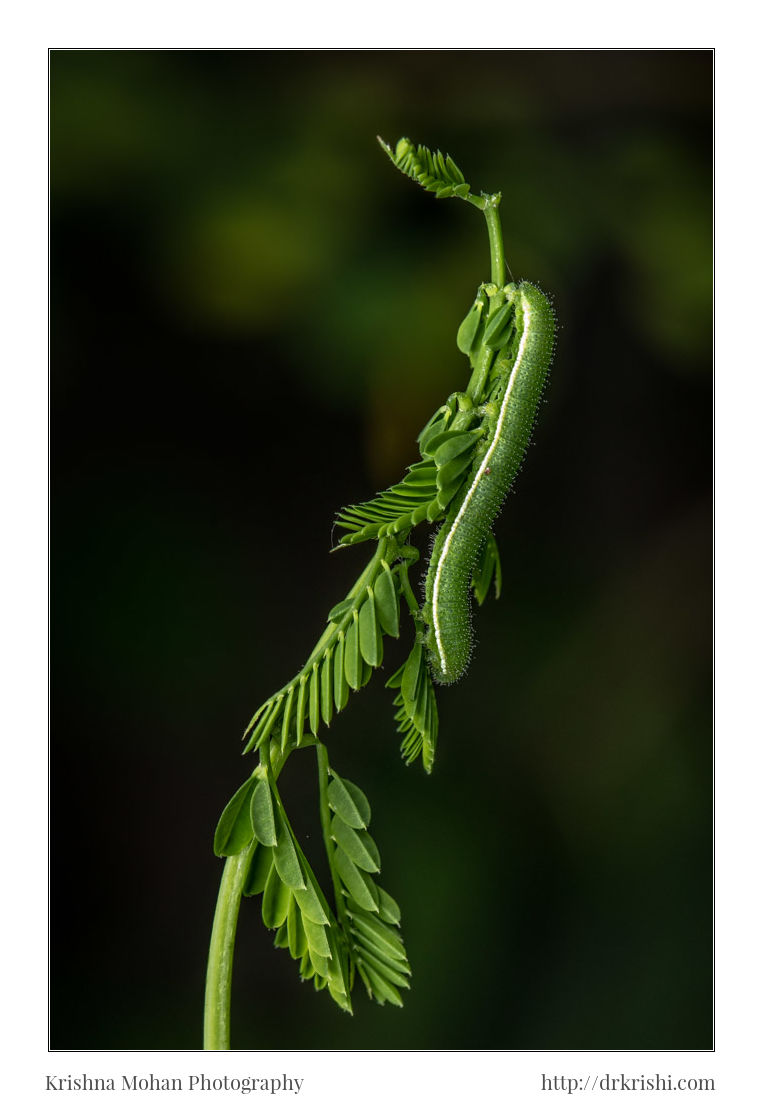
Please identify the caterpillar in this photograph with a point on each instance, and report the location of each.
(510, 416)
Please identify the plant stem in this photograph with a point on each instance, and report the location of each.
(497, 275)
(223, 939)
(220, 966)
(497, 261)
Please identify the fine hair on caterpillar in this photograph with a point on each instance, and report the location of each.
(521, 375)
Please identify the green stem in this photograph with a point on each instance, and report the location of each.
(484, 360)
(495, 235)
(223, 939)
(329, 636)
(220, 966)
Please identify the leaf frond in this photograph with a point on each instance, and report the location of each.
(424, 492)
(416, 704)
(294, 904)
(370, 916)
(351, 650)
(394, 510)
(435, 172)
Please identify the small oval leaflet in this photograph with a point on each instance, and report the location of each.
(409, 685)
(455, 445)
(275, 901)
(321, 966)
(453, 469)
(359, 885)
(469, 327)
(357, 843)
(341, 686)
(327, 688)
(306, 969)
(498, 322)
(310, 904)
(316, 939)
(387, 604)
(352, 660)
(301, 708)
(263, 820)
(388, 908)
(368, 630)
(339, 610)
(234, 829)
(285, 856)
(315, 699)
(286, 722)
(264, 722)
(349, 801)
(295, 931)
(431, 430)
(259, 870)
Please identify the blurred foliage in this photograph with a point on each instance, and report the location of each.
(252, 316)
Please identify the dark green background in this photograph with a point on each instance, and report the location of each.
(252, 316)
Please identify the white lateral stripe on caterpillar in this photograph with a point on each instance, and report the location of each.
(525, 309)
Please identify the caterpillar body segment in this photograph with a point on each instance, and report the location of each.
(510, 419)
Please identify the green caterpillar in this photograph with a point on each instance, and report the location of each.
(528, 318)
